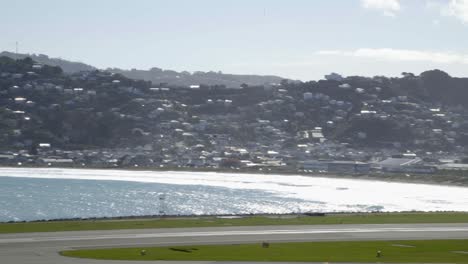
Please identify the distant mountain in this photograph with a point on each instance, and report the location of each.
(67, 66)
(157, 75)
(160, 76)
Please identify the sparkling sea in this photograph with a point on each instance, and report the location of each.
(50, 193)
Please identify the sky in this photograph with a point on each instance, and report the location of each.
(299, 39)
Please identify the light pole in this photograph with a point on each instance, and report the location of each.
(162, 204)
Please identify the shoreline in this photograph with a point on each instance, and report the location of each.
(381, 177)
(292, 215)
(369, 178)
(198, 217)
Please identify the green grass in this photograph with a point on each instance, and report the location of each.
(430, 251)
(375, 218)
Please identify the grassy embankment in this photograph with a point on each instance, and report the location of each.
(432, 251)
(372, 218)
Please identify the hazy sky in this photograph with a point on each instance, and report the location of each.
(302, 39)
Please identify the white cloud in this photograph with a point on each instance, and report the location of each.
(401, 55)
(435, 4)
(389, 14)
(453, 8)
(458, 9)
(388, 7)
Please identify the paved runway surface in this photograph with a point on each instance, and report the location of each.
(43, 248)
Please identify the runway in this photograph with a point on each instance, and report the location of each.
(43, 248)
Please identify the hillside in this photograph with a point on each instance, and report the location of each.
(160, 76)
(157, 75)
(104, 115)
(67, 66)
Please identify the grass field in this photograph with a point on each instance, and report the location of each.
(374, 218)
(431, 251)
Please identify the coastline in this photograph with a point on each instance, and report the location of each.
(360, 216)
(450, 180)
(33, 172)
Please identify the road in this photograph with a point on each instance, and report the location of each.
(43, 248)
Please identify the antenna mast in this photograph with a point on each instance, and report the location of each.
(162, 204)
(16, 50)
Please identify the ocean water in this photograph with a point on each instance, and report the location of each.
(50, 193)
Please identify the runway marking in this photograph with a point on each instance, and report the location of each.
(232, 233)
(401, 245)
(460, 252)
